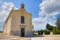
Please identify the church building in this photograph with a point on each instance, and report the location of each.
(19, 23)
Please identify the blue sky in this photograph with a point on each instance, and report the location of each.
(43, 11)
(32, 6)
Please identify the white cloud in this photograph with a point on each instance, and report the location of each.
(4, 11)
(39, 22)
(6, 8)
(50, 6)
(49, 10)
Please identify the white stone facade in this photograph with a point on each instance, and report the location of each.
(13, 23)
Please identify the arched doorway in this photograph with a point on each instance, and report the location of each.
(22, 32)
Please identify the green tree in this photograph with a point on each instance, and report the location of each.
(49, 27)
(56, 30)
(58, 23)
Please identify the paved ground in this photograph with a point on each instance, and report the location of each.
(46, 37)
(5, 37)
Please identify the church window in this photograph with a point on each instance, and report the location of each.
(22, 19)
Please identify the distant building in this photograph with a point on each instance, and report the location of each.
(19, 22)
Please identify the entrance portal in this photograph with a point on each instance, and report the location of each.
(22, 32)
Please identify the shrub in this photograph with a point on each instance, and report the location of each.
(40, 32)
(47, 32)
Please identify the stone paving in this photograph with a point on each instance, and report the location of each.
(5, 37)
(46, 37)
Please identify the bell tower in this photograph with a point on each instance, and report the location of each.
(22, 6)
